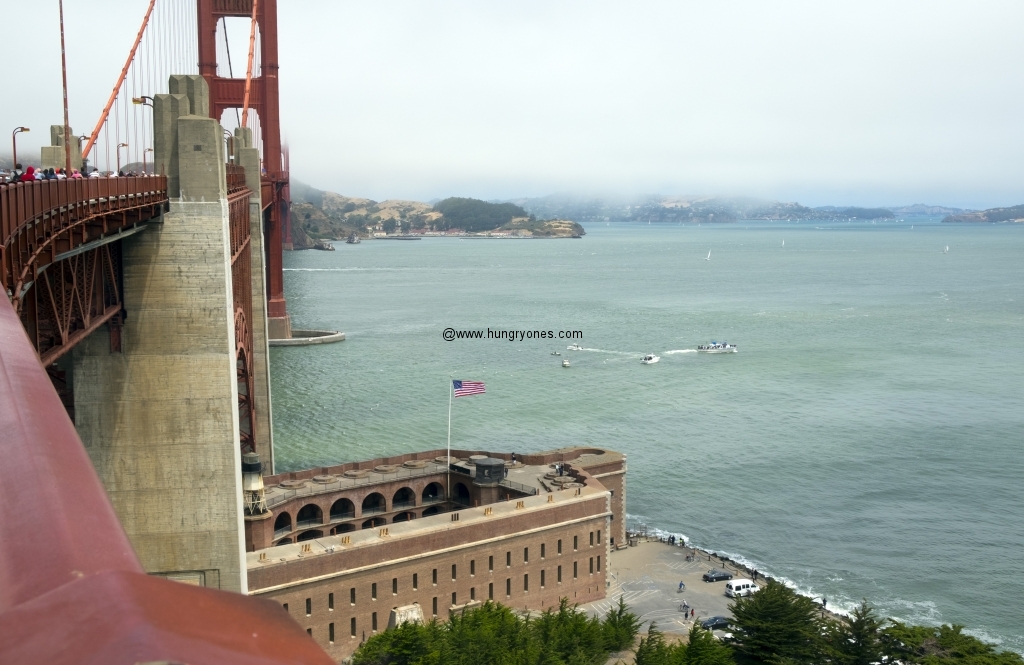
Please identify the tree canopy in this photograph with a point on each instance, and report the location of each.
(472, 215)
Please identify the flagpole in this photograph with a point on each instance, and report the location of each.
(448, 457)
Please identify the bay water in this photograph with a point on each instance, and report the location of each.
(865, 442)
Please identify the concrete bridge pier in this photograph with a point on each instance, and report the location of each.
(160, 419)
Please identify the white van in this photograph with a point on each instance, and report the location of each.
(736, 588)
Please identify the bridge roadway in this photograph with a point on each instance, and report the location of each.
(57, 262)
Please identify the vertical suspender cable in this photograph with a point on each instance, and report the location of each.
(120, 80)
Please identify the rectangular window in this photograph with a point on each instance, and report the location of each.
(352, 626)
(559, 545)
(542, 579)
(508, 587)
(415, 581)
(373, 622)
(591, 538)
(575, 569)
(472, 593)
(490, 591)
(575, 543)
(394, 586)
(598, 536)
(285, 606)
(453, 572)
(454, 597)
(598, 563)
(309, 631)
(526, 555)
(352, 596)
(542, 550)
(508, 559)
(434, 608)
(472, 567)
(591, 565)
(373, 591)
(433, 576)
(526, 582)
(330, 601)
(309, 606)
(330, 633)
(559, 579)
(490, 563)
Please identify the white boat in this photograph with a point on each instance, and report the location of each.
(708, 257)
(946, 251)
(565, 362)
(556, 353)
(574, 347)
(650, 359)
(717, 347)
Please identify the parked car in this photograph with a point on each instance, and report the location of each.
(715, 623)
(717, 575)
(741, 587)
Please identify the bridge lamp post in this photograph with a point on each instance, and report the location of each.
(85, 160)
(144, 169)
(142, 100)
(14, 142)
(119, 146)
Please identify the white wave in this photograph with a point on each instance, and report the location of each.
(620, 353)
(675, 351)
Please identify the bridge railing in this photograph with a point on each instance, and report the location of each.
(71, 587)
(60, 204)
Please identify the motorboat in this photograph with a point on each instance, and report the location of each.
(717, 347)
(574, 347)
(650, 359)
(353, 239)
(556, 353)
(565, 362)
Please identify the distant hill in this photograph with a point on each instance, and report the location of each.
(855, 213)
(992, 215)
(474, 215)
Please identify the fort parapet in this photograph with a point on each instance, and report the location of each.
(355, 542)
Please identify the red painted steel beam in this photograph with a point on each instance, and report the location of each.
(71, 588)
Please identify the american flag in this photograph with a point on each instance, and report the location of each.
(465, 388)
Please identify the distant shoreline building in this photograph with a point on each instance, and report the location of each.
(349, 549)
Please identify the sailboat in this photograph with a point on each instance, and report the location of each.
(708, 257)
(946, 251)
(783, 243)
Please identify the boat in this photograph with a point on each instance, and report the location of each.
(708, 257)
(946, 251)
(574, 347)
(565, 362)
(323, 245)
(556, 353)
(353, 239)
(650, 359)
(717, 347)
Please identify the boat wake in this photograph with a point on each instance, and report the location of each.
(672, 353)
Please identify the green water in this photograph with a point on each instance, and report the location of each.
(864, 443)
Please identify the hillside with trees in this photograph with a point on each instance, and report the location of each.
(992, 215)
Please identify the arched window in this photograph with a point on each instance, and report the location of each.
(283, 524)
(284, 541)
(461, 494)
(404, 498)
(374, 504)
(374, 521)
(342, 509)
(433, 510)
(309, 515)
(343, 528)
(404, 517)
(309, 535)
(433, 493)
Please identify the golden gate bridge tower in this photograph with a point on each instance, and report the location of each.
(260, 94)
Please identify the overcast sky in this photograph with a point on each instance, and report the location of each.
(869, 103)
